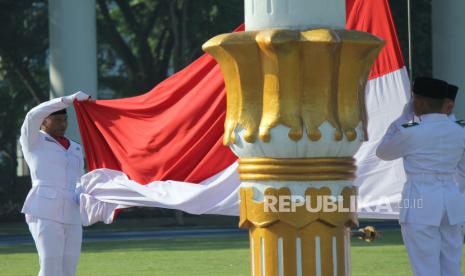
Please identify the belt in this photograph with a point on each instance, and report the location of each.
(47, 184)
(427, 177)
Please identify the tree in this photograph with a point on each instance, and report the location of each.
(142, 42)
(24, 45)
(23, 84)
(23, 69)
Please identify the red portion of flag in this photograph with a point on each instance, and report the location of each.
(374, 16)
(349, 6)
(174, 132)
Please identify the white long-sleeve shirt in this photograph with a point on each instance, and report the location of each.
(433, 152)
(54, 169)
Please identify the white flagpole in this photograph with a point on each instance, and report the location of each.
(410, 66)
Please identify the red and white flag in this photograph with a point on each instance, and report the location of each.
(164, 148)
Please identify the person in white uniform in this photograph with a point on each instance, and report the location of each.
(432, 208)
(56, 164)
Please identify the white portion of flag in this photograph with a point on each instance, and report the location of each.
(380, 182)
(106, 190)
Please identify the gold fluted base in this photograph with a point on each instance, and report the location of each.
(298, 242)
(315, 250)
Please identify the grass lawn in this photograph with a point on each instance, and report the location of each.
(196, 256)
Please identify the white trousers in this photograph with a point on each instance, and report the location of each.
(58, 245)
(433, 250)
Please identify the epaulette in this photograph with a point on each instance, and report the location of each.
(410, 124)
(78, 146)
(74, 141)
(461, 123)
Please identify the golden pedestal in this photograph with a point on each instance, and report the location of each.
(282, 84)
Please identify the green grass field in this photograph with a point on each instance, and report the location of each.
(196, 256)
(187, 256)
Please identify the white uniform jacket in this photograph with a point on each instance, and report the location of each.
(433, 152)
(54, 169)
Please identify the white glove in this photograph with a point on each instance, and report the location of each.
(77, 193)
(408, 108)
(462, 228)
(77, 198)
(79, 96)
(406, 116)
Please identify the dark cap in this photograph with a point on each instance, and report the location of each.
(452, 92)
(61, 111)
(431, 88)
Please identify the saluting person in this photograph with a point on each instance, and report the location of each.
(432, 207)
(56, 164)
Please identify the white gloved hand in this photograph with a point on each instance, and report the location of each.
(77, 198)
(462, 228)
(408, 108)
(77, 193)
(79, 96)
(405, 117)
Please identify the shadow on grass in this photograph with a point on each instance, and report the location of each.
(168, 244)
(388, 238)
(139, 224)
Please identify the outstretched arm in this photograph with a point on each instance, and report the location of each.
(396, 142)
(35, 117)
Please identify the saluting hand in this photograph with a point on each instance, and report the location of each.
(408, 108)
(78, 96)
(81, 96)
